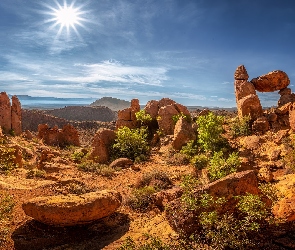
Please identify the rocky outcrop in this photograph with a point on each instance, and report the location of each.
(286, 96)
(152, 108)
(16, 116)
(292, 116)
(71, 210)
(165, 119)
(114, 104)
(183, 219)
(101, 145)
(248, 102)
(284, 209)
(5, 112)
(126, 117)
(58, 137)
(183, 133)
(272, 81)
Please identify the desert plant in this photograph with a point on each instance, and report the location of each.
(77, 156)
(7, 158)
(200, 161)
(97, 168)
(35, 173)
(220, 167)
(209, 132)
(177, 159)
(141, 198)
(159, 179)
(130, 143)
(175, 118)
(144, 118)
(6, 207)
(240, 126)
(190, 149)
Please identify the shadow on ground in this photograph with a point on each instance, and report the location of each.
(97, 235)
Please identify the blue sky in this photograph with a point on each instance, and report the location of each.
(187, 50)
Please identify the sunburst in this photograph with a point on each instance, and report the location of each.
(66, 17)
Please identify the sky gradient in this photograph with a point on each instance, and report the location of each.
(186, 50)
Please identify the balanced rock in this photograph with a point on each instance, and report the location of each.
(241, 73)
(101, 144)
(272, 81)
(71, 210)
(243, 89)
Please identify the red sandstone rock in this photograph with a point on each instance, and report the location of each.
(285, 209)
(165, 102)
(183, 133)
(241, 73)
(121, 163)
(243, 89)
(70, 136)
(101, 143)
(5, 112)
(261, 125)
(127, 117)
(152, 108)
(71, 210)
(165, 121)
(272, 81)
(292, 116)
(250, 105)
(16, 116)
(135, 105)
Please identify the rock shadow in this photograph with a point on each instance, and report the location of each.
(97, 235)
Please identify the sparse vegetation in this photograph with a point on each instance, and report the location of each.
(130, 143)
(144, 118)
(220, 167)
(240, 126)
(35, 173)
(6, 206)
(175, 118)
(7, 158)
(97, 168)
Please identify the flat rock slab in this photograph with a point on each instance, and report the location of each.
(71, 210)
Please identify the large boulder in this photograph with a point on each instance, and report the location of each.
(101, 145)
(184, 219)
(165, 119)
(152, 108)
(272, 81)
(16, 116)
(71, 210)
(69, 135)
(183, 133)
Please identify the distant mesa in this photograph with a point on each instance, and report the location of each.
(114, 104)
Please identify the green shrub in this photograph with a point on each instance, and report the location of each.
(190, 149)
(78, 156)
(159, 179)
(220, 167)
(7, 158)
(35, 173)
(6, 207)
(144, 118)
(269, 191)
(130, 143)
(240, 126)
(209, 132)
(177, 159)
(200, 161)
(141, 198)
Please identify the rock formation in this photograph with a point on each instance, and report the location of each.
(5, 112)
(16, 116)
(58, 137)
(101, 145)
(126, 117)
(121, 163)
(248, 102)
(272, 81)
(71, 210)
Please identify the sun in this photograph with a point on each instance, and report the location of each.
(66, 17)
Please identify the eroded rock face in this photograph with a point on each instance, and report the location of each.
(16, 116)
(152, 108)
(71, 210)
(101, 143)
(165, 121)
(285, 209)
(5, 112)
(58, 137)
(183, 133)
(183, 219)
(241, 73)
(292, 116)
(272, 81)
(126, 117)
(250, 105)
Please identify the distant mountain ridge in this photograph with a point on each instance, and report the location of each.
(112, 103)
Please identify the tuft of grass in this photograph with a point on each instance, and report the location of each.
(6, 207)
(97, 168)
(35, 173)
(240, 126)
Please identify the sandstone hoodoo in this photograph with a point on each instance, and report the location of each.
(71, 210)
(272, 81)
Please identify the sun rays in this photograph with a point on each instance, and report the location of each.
(65, 18)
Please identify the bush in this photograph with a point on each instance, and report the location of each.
(158, 179)
(144, 118)
(130, 143)
(200, 161)
(7, 159)
(141, 198)
(6, 206)
(220, 167)
(209, 132)
(35, 173)
(190, 149)
(100, 169)
(240, 126)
